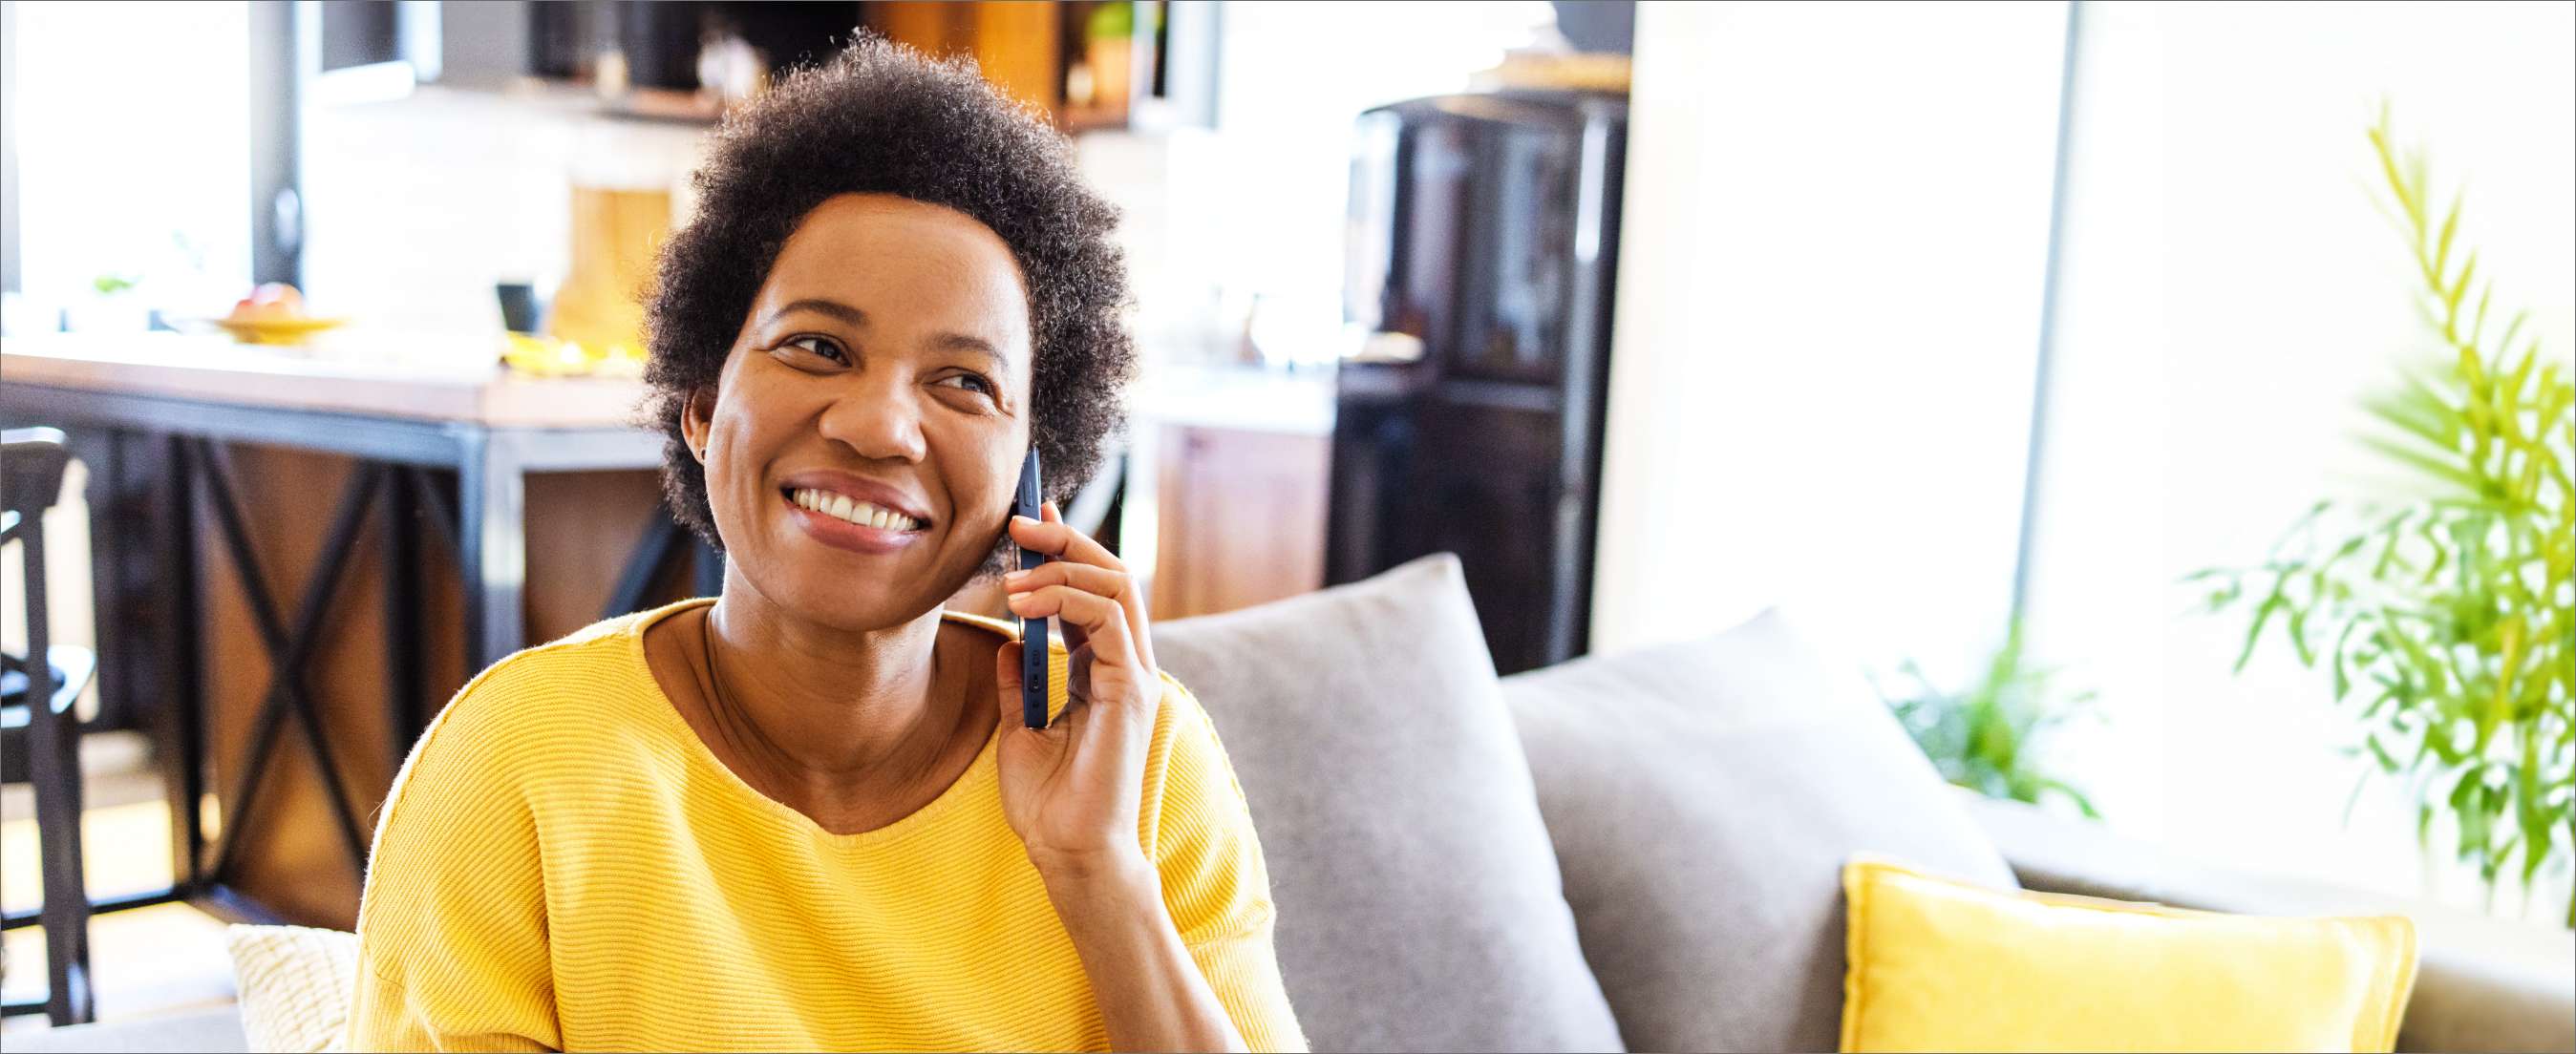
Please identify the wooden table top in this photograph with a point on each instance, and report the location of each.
(413, 377)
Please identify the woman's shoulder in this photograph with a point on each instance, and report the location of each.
(1179, 711)
(1187, 770)
(568, 713)
(1199, 831)
(559, 695)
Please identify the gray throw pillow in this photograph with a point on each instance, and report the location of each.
(1417, 894)
(1703, 798)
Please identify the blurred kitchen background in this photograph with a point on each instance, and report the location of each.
(1925, 321)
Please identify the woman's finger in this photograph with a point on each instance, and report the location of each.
(1057, 539)
(1091, 556)
(1007, 679)
(1103, 621)
(1090, 578)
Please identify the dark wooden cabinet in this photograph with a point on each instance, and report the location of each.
(1485, 240)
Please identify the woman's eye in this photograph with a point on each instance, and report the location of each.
(820, 346)
(968, 381)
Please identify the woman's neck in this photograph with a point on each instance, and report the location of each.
(855, 730)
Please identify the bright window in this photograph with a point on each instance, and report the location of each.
(132, 124)
(2229, 294)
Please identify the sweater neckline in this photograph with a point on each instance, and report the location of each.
(981, 773)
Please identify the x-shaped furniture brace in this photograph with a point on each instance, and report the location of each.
(288, 648)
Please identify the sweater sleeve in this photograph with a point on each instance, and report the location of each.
(452, 946)
(1214, 881)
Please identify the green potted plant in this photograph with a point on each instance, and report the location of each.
(2447, 617)
(1991, 737)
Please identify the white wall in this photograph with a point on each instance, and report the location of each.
(2229, 292)
(1829, 298)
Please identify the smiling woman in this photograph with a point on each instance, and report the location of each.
(884, 133)
(889, 329)
(805, 814)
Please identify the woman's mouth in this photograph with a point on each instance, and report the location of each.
(844, 522)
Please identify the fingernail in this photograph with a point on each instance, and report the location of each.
(1018, 598)
(1010, 577)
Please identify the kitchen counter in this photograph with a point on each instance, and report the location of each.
(347, 372)
(426, 378)
(405, 403)
(297, 554)
(1228, 471)
(1247, 398)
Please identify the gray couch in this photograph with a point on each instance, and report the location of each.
(1633, 852)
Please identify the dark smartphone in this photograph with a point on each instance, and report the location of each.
(1033, 631)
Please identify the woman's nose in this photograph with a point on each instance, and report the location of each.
(879, 419)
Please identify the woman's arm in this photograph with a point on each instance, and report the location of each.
(1151, 993)
(452, 942)
(1073, 792)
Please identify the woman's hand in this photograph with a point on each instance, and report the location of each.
(1071, 790)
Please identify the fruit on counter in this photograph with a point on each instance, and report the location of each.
(542, 356)
(272, 302)
(273, 314)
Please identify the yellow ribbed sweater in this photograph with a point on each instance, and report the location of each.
(563, 864)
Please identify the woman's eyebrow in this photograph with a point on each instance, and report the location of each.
(819, 305)
(965, 342)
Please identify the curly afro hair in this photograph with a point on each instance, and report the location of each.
(881, 118)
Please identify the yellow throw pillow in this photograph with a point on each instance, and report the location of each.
(296, 983)
(1935, 964)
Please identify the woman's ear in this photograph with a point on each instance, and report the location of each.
(697, 416)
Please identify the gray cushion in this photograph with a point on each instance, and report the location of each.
(216, 1030)
(1703, 798)
(1417, 895)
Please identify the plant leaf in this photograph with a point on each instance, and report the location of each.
(2460, 629)
(2450, 226)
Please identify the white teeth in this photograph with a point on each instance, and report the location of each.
(843, 507)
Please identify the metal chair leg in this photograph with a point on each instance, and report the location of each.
(31, 478)
(54, 742)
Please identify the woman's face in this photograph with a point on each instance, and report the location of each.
(863, 442)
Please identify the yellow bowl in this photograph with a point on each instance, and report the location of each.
(276, 330)
(542, 356)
